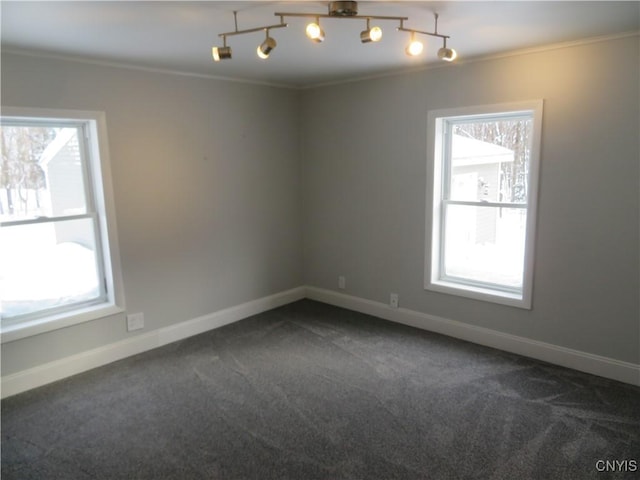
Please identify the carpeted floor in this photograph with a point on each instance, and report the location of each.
(310, 391)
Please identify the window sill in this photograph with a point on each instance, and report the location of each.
(30, 328)
(478, 293)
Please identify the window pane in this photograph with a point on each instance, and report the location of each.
(485, 244)
(489, 161)
(47, 265)
(41, 172)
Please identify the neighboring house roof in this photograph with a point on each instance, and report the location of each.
(469, 151)
(58, 143)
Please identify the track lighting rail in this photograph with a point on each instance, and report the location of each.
(411, 30)
(435, 33)
(251, 30)
(338, 10)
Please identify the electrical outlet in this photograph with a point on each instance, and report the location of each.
(342, 282)
(135, 321)
(393, 300)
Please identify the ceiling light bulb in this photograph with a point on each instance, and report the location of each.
(414, 48)
(265, 48)
(447, 54)
(220, 53)
(376, 34)
(315, 33)
(373, 34)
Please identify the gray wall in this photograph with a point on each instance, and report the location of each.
(206, 184)
(364, 177)
(228, 192)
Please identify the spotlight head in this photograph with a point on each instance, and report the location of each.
(265, 48)
(373, 34)
(315, 33)
(447, 54)
(220, 53)
(414, 48)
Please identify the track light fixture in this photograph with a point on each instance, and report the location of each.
(373, 34)
(314, 32)
(224, 52)
(447, 54)
(415, 46)
(337, 10)
(221, 53)
(264, 49)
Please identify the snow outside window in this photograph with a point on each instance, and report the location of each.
(55, 256)
(484, 166)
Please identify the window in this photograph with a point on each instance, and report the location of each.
(484, 162)
(58, 256)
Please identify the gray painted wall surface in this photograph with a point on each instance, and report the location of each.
(228, 192)
(206, 184)
(365, 184)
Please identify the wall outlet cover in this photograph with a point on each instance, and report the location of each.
(135, 321)
(393, 300)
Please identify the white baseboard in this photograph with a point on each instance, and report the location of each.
(82, 362)
(566, 357)
(65, 367)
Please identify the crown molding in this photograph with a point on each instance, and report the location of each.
(480, 58)
(385, 74)
(141, 68)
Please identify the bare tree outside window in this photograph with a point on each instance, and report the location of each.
(49, 256)
(21, 176)
(515, 136)
(484, 165)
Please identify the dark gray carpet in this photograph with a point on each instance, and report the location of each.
(310, 391)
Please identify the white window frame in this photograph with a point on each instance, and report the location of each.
(434, 279)
(113, 302)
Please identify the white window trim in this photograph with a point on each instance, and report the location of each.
(433, 222)
(103, 192)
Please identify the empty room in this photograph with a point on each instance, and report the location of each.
(320, 240)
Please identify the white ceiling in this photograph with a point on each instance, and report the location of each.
(178, 35)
